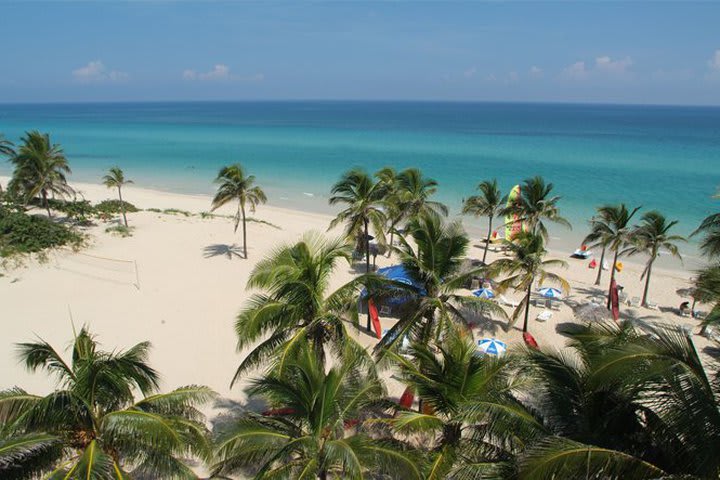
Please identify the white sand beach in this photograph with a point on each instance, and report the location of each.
(189, 285)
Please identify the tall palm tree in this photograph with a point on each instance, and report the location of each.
(387, 177)
(707, 290)
(116, 179)
(6, 147)
(103, 431)
(527, 265)
(415, 192)
(234, 184)
(535, 204)
(432, 253)
(314, 428)
(599, 236)
(471, 423)
(363, 200)
(296, 304)
(649, 238)
(487, 204)
(710, 228)
(615, 222)
(40, 167)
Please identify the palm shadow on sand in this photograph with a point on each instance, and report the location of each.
(220, 249)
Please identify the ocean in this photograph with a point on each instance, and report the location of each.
(660, 157)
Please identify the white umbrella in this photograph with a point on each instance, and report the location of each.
(550, 292)
(491, 346)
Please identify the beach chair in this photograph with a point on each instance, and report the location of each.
(544, 316)
(555, 305)
(474, 284)
(508, 302)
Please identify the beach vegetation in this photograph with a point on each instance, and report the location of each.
(39, 168)
(527, 265)
(235, 185)
(93, 426)
(295, 305)
(362, 198)
(489, 203)
(535, 205)
(120, 230)
(113, 207)
(314, 426)
(21, 233)
(710, 230)
(153, 209)
(600, 236)
(176, 211)
(115, 178)
(431, 252)
(651, 237)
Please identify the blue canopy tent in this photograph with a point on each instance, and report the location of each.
(397, 273)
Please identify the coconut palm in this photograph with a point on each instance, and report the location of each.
(314, 427)
(599, 236)
(296, 303)
(6, 147)
(649, 238)
(487, 204)
(363, 199)
(392, 208)
(415, 191)
(27, 456)
(116, 179)
(534, 205)
(40, 167)
(432, 253)
(707, 290)
(710, 228)
(235, 184)
(633, 403)
(104, 432)
(527, 265)
(471, 423)
(614, 220)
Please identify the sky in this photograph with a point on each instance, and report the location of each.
(608, 52)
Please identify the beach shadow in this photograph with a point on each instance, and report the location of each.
(567, 329)
(712, 351)
(221, 249)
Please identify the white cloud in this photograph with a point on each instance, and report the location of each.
(536, 71)
(96, 71)
(714, 62)
(576, 71)
(607, 64)
(221, 72)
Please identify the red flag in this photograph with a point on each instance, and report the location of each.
(530, 341)
(614, 301)
(406, 400)
(372, 309)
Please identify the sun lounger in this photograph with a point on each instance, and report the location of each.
(544, 316)
(508, 302)
(555, 305)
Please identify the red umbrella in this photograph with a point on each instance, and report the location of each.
(530, 341)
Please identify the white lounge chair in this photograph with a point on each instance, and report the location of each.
(544, 316)
(508, 302)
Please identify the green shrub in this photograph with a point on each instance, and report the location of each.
(156, 210)
(111, 207)
(120, 230)
(23, 233)
(176, 211)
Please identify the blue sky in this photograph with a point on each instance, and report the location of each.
(640, 52)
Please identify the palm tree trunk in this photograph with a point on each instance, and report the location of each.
(122, 206)
(602, 260)
(367, 247)
(647, 283)
(527, 305)
(487, 242)
(46, 203)
(612, 277)
(392, 234)
(245, 250)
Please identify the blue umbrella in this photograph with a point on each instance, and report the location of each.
(398, 273)
(549, 292)
(484, 293)
(491, 346)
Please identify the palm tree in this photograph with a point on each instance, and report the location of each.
(707, 290)
(296, 305)
(234, 184)
(391, 204)
(471, 422)
(314, 428)
(363, 199)
(599, 236)
(103, 431)
(527, 265)
(40, 167)
(536, 204)
(6, 147)
(116, 179)
(487, 204)
(415, 191)
(710, 227)
(633, 403)
(432, 254)
(26, 456)
(649, 238)
(614, 220)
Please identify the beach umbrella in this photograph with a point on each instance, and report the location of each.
(550, 292)
(591, 312)
(491, 346)
(484, 293)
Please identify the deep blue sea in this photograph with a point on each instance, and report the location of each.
(660, 157)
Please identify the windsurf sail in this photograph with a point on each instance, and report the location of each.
(513, 222)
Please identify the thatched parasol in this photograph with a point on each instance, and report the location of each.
(591, 312)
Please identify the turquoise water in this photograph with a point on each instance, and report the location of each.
(659, 157)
